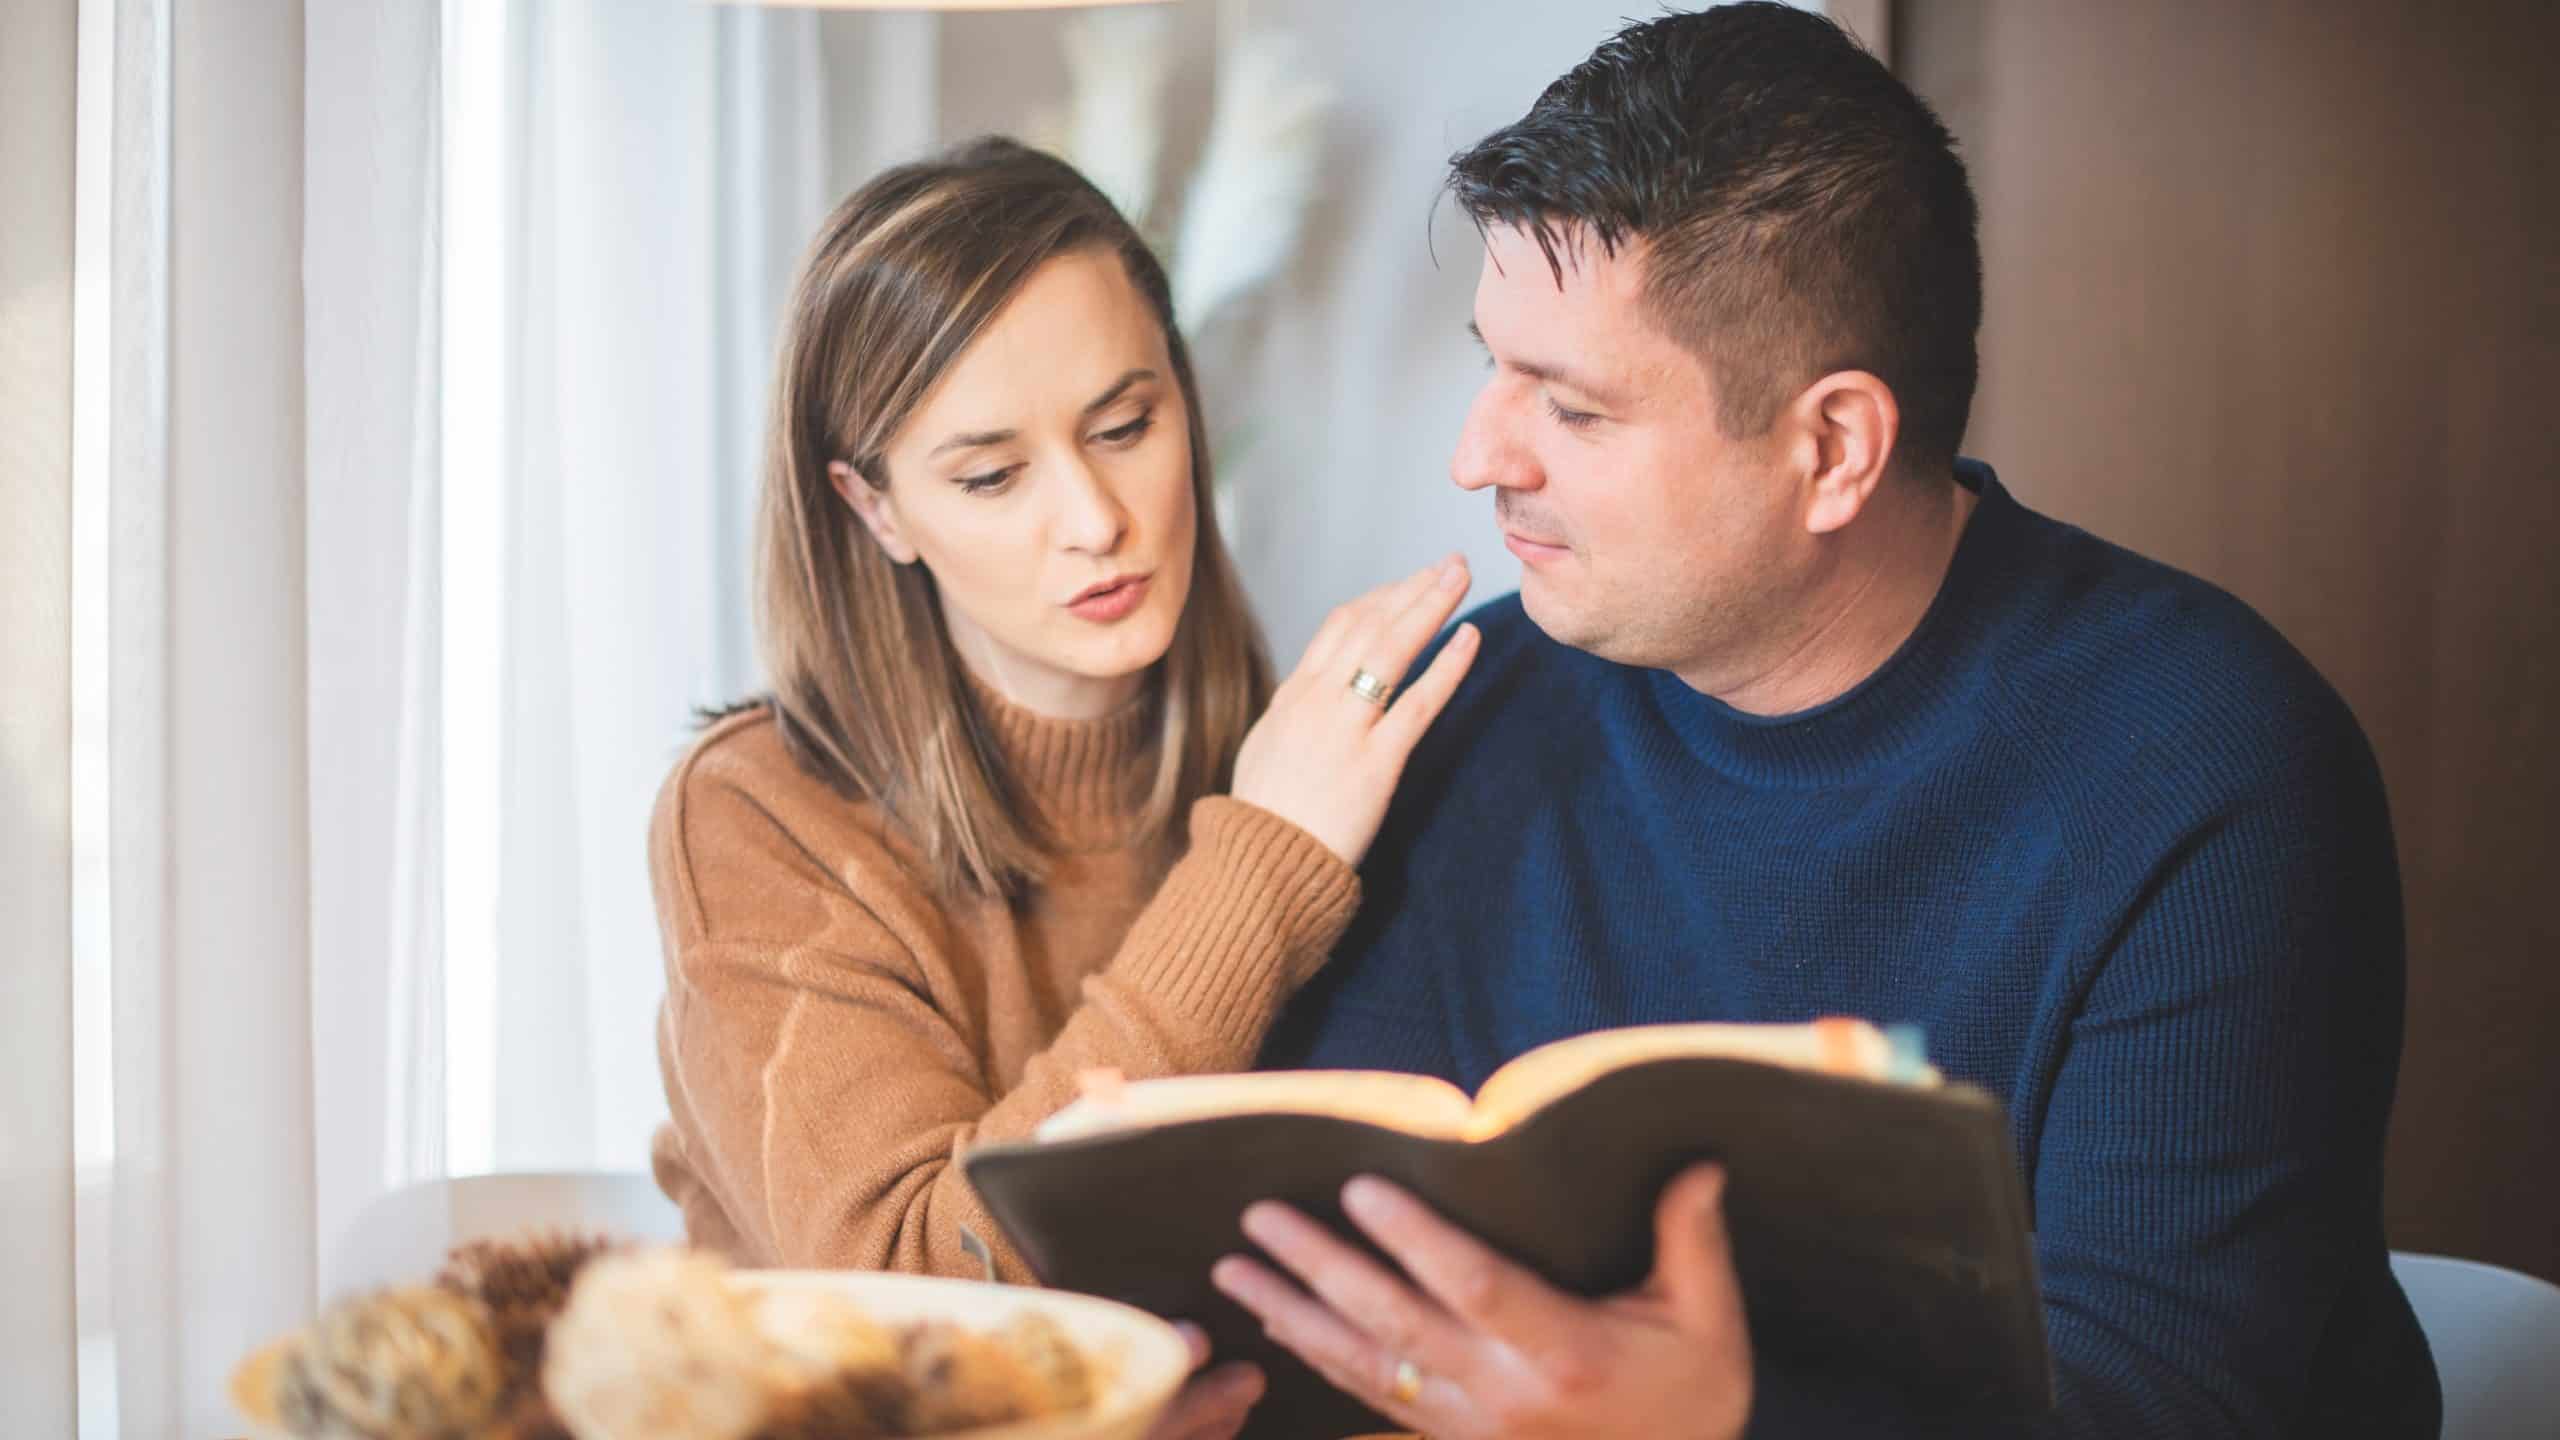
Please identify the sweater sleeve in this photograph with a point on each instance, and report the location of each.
(2207, 1171)
(824, 1082)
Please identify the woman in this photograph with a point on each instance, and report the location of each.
(1001, 820)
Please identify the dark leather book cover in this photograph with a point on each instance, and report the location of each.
(1877, 1228)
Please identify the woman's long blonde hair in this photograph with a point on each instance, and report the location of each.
(868, 691)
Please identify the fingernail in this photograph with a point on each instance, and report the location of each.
(1248, 1387)
(1363, 1196)
(1232, 1279)
(1453, 572)
(1259, 1219)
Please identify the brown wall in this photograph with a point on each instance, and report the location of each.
(2272, 297)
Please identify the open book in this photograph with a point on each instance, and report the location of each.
(1428, 1105)
(1879, 1224)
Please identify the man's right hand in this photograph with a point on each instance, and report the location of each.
(1213, 1406)
(1323, 757)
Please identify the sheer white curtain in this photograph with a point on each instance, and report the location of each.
(37, 1364)
(371, 242)
(191, 989)
(630, 187)
(251, 942)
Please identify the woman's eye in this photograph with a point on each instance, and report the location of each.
(1128, 434)
(987, 482)
(1571, 419)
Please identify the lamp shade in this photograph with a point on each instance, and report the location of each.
(935, 4)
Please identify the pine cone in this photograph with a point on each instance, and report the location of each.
(524, 1285)
(534, 1272)
(407, 1364)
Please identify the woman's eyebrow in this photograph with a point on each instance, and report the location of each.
(1103, 401)
(972, 439)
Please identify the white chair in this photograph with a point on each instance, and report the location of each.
(402, 1238)
(2496, 1337)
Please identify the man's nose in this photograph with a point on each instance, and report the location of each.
(1489, 450)
(1091, 519)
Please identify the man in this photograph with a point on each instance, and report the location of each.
(1797, 713)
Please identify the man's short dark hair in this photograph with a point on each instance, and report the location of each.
(1801, 211)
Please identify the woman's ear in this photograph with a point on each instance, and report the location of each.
(879, 514)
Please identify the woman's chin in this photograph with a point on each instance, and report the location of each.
(1126, 665)
(1125, 654)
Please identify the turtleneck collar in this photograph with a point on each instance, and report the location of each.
(1081, 775)
(1884, 715)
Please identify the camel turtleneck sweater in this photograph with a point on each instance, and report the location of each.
(836, 1031)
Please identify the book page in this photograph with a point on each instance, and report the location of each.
(1419, 1104)
(1834, 1045)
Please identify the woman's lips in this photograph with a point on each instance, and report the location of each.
(1108, 602)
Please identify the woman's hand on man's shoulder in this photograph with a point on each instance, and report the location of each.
(1328, 753)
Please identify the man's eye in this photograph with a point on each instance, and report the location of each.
(1571, 419)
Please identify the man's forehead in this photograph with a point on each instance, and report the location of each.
(1595, 326)
(1567, 258)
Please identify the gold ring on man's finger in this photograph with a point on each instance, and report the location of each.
(1406, 1386)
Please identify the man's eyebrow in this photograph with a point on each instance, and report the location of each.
(972, 439)
(1549, 374)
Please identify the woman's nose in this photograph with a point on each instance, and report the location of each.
(1091, 520)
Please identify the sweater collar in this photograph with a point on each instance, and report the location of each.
(1893, 710)
(1082, 777)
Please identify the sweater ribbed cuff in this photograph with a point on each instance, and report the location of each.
(1247, 916)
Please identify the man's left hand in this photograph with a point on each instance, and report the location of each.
(1484, 1348)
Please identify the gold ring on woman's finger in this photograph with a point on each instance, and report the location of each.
(1366, 684)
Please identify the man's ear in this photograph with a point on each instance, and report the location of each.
(879, 515)
(1847, 422)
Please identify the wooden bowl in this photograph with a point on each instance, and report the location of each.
(1138, 1361)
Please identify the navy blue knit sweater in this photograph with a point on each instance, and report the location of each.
(2096, 827)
